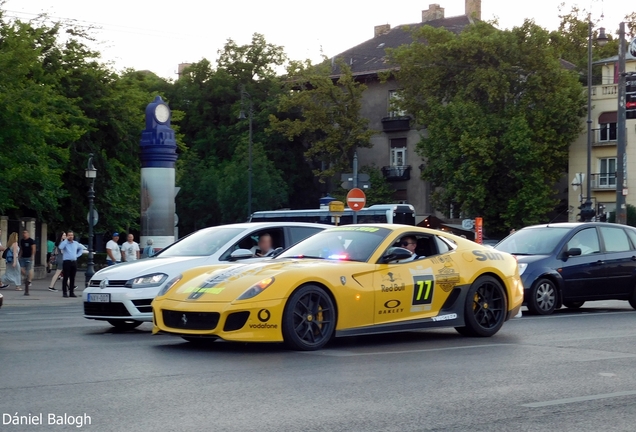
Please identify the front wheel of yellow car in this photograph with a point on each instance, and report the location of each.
(485, 308)
(309, 319)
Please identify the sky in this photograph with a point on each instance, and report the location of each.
(158, 35)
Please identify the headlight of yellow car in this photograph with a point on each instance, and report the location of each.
(172, 282)
(256, 289)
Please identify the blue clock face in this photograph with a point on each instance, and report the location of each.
(162, 113)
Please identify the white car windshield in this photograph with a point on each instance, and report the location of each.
(347, 243)
(204, 242)
(533, 241)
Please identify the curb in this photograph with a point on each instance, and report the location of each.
(39, 294)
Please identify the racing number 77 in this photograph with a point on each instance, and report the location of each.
(423, 289)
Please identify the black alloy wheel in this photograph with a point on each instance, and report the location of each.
(309, 319)
(485, 309)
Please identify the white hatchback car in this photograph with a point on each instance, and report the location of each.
(122, 294)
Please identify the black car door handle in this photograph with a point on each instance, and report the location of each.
(634, 258)
(599, 262)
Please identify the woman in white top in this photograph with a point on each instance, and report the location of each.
(13, 275)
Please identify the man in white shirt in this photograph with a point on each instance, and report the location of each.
(113, 251)
(130, 250)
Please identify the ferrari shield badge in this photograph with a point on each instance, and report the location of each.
(343, 280)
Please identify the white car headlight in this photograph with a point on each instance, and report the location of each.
(522, 268)
(147, 281)
(172, 282)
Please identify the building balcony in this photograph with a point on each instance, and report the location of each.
(605, 91)
(603, 181)
(397, 173)
(396, 123)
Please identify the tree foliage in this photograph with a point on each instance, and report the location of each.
(500, 113)
(570, 40)
(325, 113)
(213, 172)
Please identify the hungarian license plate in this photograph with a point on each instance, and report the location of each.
(99, 298)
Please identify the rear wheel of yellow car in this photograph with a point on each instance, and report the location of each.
(485, 309)
(309, 319)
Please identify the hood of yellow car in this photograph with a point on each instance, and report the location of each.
(214, 284)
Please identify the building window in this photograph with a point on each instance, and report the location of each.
(394, 99)
(607, 132)
(398, 152)
(607, 177)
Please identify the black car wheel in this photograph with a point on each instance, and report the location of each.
(309, 319)
(573, 305)
(543, 297)
(485, 308)
(124, 325)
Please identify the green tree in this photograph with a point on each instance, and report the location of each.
(500, 113)
(214, 172)
(325, 113)
(37, 124)
(268, 186)
(570, 40)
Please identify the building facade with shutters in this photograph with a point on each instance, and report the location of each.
(604, 150)
(394, 145)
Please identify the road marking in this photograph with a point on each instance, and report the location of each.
(579, 399)
(337, 353)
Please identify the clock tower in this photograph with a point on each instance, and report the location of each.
(158, 158)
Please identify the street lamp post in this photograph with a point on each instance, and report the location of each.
(90, 174)
(249, 167)
(587, 209)
(621, 129)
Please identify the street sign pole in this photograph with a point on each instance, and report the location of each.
(621, 157)
(355, 182)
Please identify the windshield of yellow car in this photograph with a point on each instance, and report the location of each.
(204, 242)
(346, 243)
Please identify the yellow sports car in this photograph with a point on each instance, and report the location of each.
(345, 281)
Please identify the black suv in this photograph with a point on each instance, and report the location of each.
(567, 264)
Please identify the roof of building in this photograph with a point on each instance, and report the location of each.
(614, 59)
(369, 57)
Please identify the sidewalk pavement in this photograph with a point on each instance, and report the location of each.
(39, 293)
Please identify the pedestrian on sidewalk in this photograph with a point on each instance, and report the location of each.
(50, 247)
(149, 250)
(113, 252)
(13, 274)
(59, 261)
(71, 251)
(130, 250)
(2, 248)
(27, 255)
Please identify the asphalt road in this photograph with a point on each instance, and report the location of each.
(573, 371)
